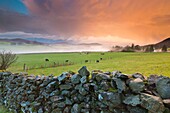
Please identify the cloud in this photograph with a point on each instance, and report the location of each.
(163, 20)
(19, 34)
(106, 41)
(123, 18)
(13, 21)
(140, 20)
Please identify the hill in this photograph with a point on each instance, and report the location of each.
(42, 41)
(90, 44)
(34, 41)
(162, 43)
(19, 41)
(46, 41)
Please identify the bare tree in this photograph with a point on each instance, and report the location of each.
(6, 59)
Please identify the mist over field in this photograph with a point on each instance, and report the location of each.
(18, 49)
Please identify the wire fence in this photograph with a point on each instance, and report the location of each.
(60, 64)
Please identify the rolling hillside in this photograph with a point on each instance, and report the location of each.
(162, 43)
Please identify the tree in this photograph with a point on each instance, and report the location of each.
(132, 46)
(164, 48)
(149, 49)
(137, 47)
(6, 59)
(128, 49)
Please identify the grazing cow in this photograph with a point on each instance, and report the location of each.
(46, 60)
(101, 58)
(66, 60)
(97, 61)
(102, 53)
(86, 60)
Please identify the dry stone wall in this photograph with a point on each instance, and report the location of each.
(98, 92)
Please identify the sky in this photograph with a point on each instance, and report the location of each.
(108, 22)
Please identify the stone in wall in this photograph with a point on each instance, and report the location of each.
(102, 92)
(163, 87)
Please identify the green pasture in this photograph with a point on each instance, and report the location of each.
(145, 63)
(129, 63)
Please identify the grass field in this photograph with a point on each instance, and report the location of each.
(145, 63)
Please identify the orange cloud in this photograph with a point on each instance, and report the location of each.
(141, 20)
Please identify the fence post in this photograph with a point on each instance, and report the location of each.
(24, 67)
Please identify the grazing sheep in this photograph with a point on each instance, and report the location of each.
(46, 60)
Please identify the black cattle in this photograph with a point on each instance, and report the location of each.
(97, 61)
(66, 60)
(46, 60)
(101, 58)
(86, 60)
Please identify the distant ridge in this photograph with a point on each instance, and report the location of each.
(36, 41)
(46, 41)
(162, 43)
(43, 41)
(20, 41)
(88, 44)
